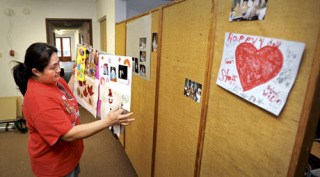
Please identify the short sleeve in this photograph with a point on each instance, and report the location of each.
(52, 124)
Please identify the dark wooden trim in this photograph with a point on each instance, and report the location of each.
(90, 32)
(206, 92)
(308, 119)
(47, 30)
(156, 101)
(102, 18)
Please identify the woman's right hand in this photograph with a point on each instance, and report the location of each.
(119, 117)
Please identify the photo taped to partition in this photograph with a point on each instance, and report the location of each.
(154, 42)
(142, 70)
(242, 10)
(143, 44)
(192, 90)
(143, 56)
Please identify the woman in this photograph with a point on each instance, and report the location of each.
(55, 134)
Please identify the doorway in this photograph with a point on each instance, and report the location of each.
(103, 33)
(66, 34)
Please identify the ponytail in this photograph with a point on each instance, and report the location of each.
(21, 76)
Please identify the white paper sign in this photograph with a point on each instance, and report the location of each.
(261, 70)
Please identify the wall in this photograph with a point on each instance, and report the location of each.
(26, 29)
(107, 8)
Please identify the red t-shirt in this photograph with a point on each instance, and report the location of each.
(51, 111)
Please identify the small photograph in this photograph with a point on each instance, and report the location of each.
(187, 87)
(197, 95)
(105, 69)
(154, 42)
(248, 10)
(136, 65)
(123, 72)
(102, 81)
(143, 44)
(143, 56)
(113, 74)
(142, 70)
(192, 90)
(81, 52)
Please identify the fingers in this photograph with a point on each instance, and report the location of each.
(127, 121)
(124, 116)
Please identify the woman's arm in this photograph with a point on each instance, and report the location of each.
(86, 130)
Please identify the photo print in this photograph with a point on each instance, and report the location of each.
(113, 74)
(105, 69)
(142, 70)
(192, 90)
(143, 56)
(136, 65)
(123, 73)
(154, 42)
(91, 63)
(248, 10)
(143, 44)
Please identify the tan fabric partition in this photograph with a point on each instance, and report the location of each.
(121, 39)
(242, 139)
(223, 135)
(185, 29)
(121, 50)
(139, 135)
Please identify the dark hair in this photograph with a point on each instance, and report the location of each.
(37, 56)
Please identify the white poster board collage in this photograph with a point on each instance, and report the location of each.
(103, 82)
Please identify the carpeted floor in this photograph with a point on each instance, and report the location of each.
(103, 156)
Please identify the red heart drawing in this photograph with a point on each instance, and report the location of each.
(256, 67)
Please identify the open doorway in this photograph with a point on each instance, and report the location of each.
(66, 34)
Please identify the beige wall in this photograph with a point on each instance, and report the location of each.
(26, 29)
(107, 8)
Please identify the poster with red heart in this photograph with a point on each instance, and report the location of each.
(260, 70)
